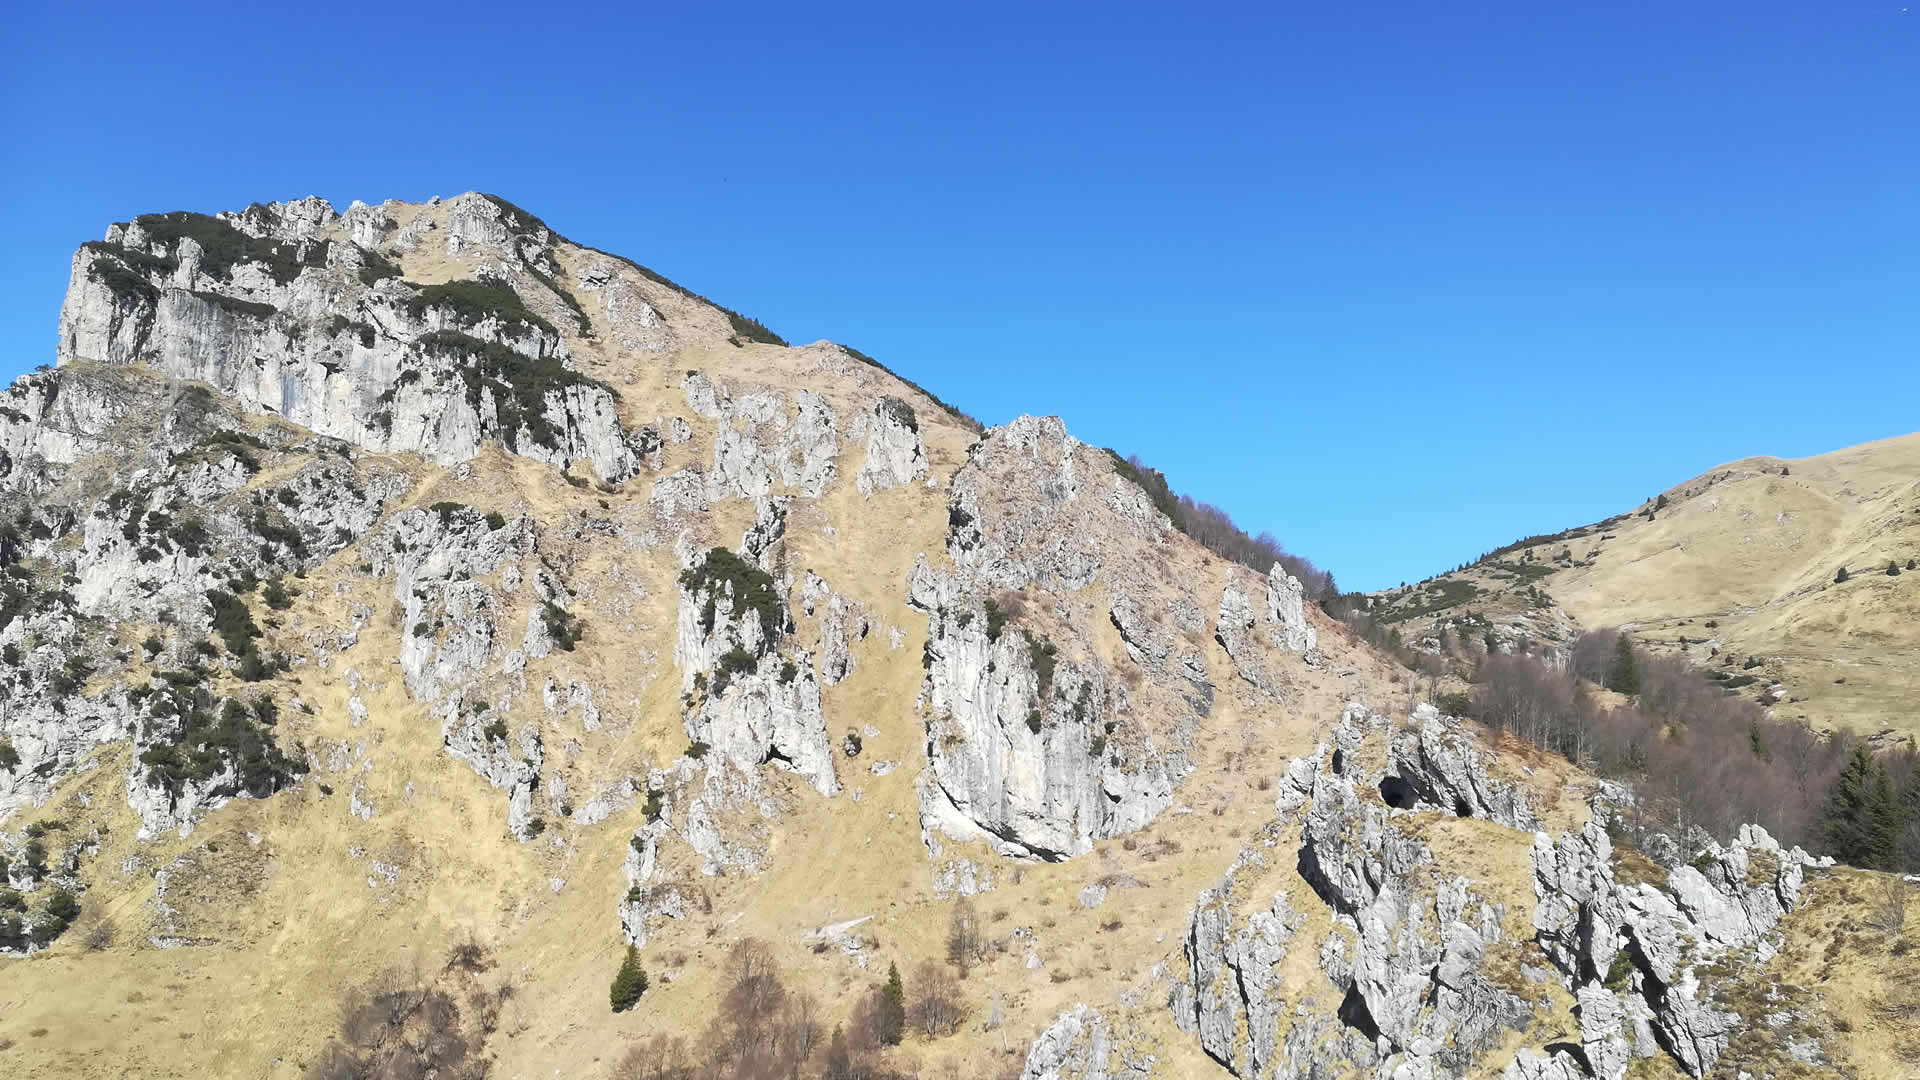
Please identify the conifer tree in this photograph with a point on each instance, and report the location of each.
(630, 983)
(893, 1008)
(1863, 819)
(1623, 676)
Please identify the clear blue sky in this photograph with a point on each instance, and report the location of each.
(1399, 282)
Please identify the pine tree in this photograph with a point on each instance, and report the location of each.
(893, 1008)
(1623, 676)
(1840, 578)
(1863, 819)
(630, 983)
(1893, 568)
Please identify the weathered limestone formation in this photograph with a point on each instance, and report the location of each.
(1412, 948)
(1024, 767)
(325, 333)
(895, 454)
(1081, 1045)
(741, 696)
(758, 440)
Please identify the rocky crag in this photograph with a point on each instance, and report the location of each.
(379, 582)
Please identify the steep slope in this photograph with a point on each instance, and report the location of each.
(412, 606)
(1736, 564)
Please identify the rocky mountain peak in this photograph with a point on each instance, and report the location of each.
(417, 571)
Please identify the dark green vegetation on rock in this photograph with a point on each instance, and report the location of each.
(721, 572)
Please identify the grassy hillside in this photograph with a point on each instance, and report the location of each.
(1736, 564)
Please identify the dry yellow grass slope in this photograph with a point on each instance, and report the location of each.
(1739, 562)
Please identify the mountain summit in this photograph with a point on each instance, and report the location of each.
(436, 648)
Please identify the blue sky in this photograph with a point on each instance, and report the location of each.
(1398, 282)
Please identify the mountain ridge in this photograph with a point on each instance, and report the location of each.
(1738, 562)
(409, 605)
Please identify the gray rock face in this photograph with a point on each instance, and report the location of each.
(1025, 771)
(1407, 952)
(1730, 908)
(1231, 999)
(895, 454)
(1287, 627)
(1037, 748)
(1411, 945)
(759, 440)
(382, 365)
(454, 620)
(741, 696)
(49, 420)
(1081, 1045)
(1445, 770)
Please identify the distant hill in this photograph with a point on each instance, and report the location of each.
(1736, 565)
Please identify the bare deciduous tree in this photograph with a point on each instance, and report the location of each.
(963, 936)
(937, 1008)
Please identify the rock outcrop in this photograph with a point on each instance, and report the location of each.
(1429, 966)
(1081, 1045)
(325, 333)
(742, 697)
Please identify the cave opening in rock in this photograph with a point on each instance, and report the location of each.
(1397, 793)
(1354, 1013)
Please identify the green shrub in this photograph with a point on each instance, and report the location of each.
(374, 267)
(656, 802)
(734, 661)
(751, 589)
(496, 521)
(496, 730)
(223, 247)
(565, 630)
(996, 620)
(950, 410)
(276, 595)
(445, 511)
(752, 329)
(520, 384)
(697, 749)
(9, 757)
(1620, 971)
(473, 302)
(125, 270)
(1042, 654)
(237, 305)
(899, 412)
(891, 1021)
(187, 742)
(629, 982)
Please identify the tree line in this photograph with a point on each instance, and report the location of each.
(1215, 530)
(1700, 758)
